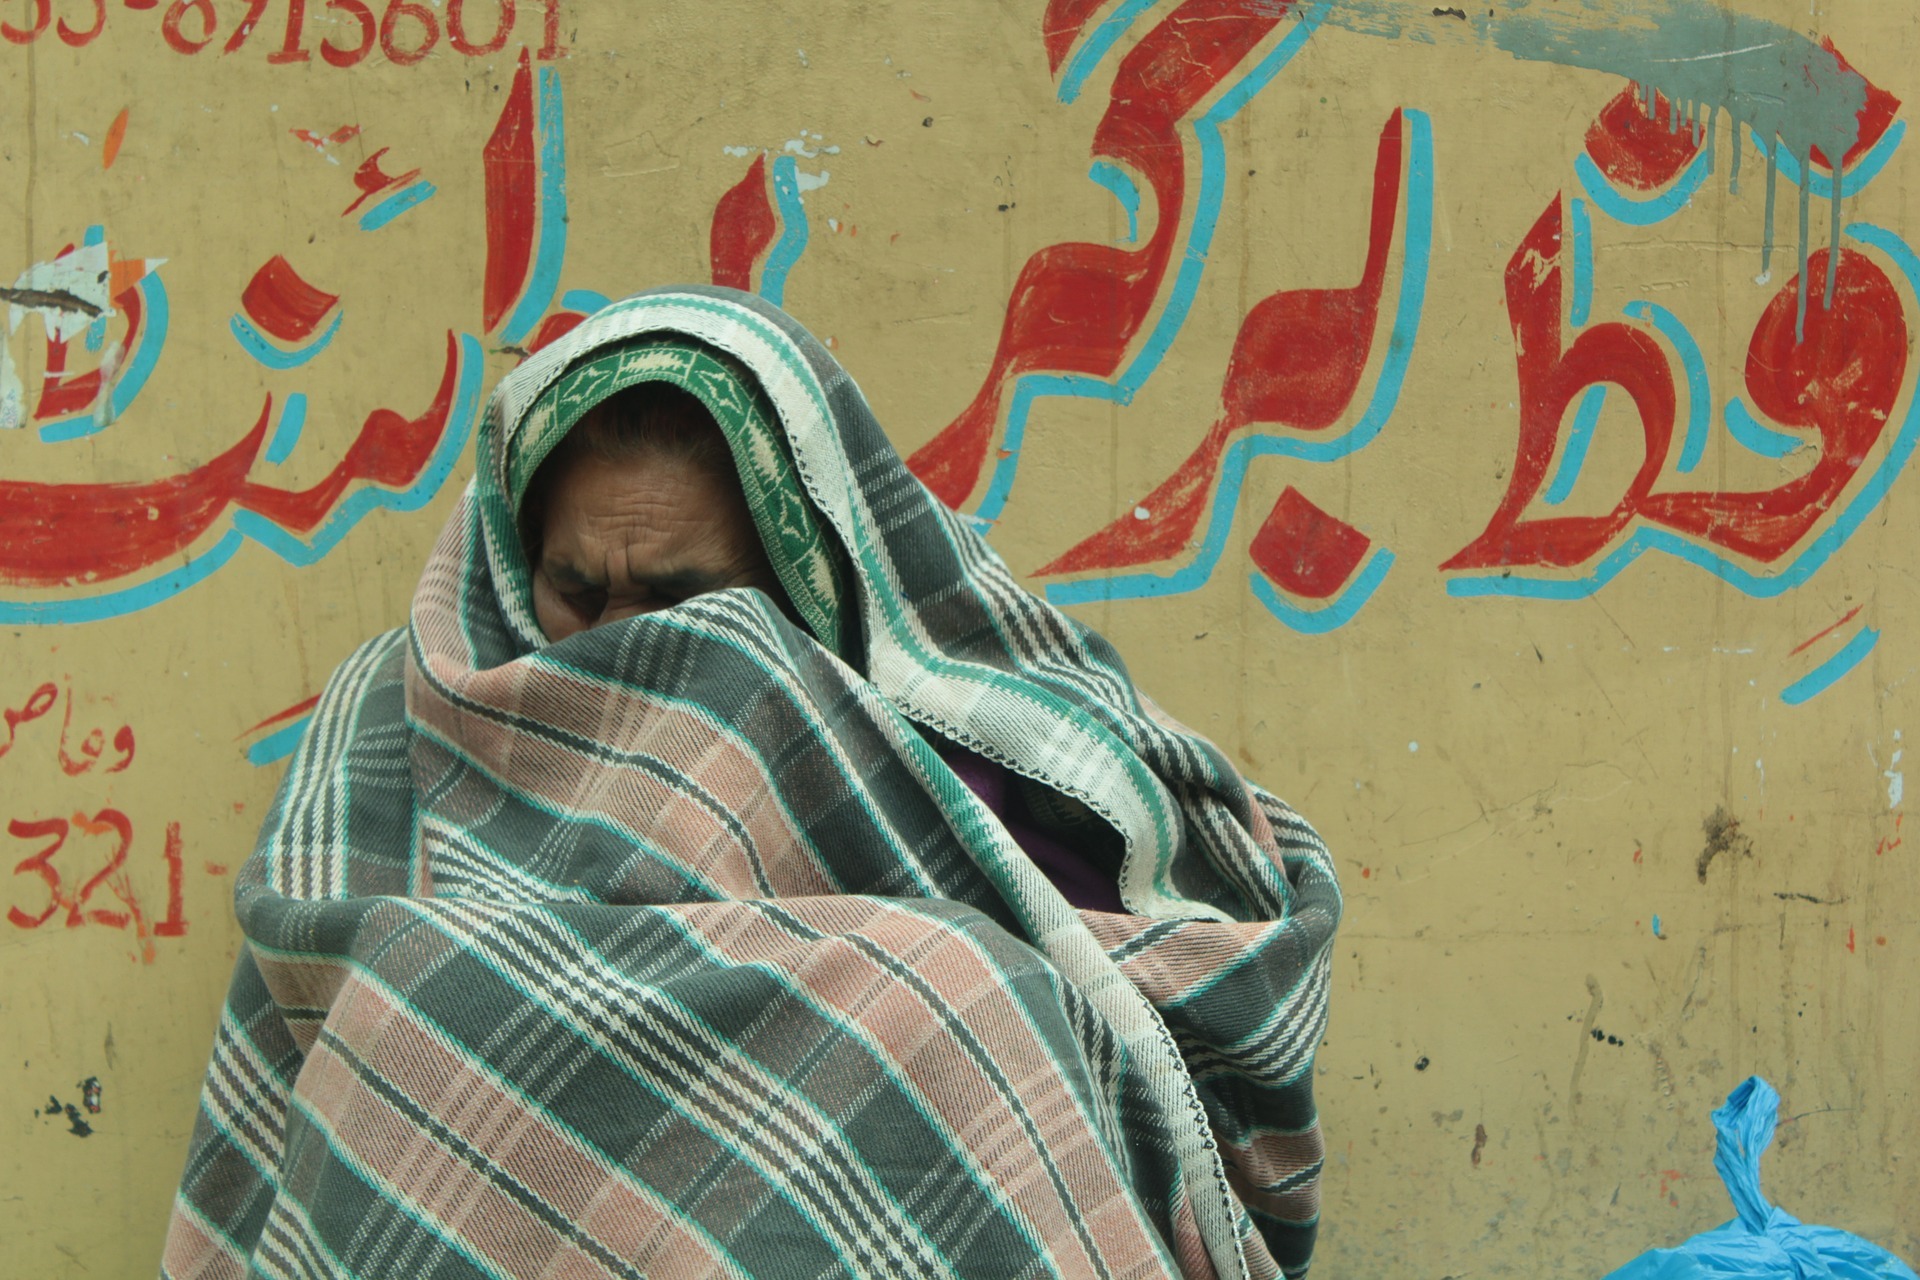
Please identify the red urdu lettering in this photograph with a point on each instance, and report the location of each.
(1840, 381)
(38, 703)
(1552, 375)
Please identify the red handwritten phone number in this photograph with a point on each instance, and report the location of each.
(406, 31)
(52, 834)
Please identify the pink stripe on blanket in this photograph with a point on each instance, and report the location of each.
(950, 1081)
(526, 1144)
(634, 799)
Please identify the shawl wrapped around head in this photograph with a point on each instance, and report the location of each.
(675, 948)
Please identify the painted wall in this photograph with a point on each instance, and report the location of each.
(1428, 424)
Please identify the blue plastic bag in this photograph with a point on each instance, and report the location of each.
(1763, 1243)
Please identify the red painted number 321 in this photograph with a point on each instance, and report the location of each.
(114, 825)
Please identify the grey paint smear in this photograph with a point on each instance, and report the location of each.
(1704, 58)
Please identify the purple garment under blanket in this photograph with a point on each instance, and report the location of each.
(1081, 880)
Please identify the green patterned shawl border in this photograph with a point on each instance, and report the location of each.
(801, 555)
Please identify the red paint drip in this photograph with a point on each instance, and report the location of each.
(283, 304)
(1849, 938)
(512, 180)
(1305, 551)
(743, 227)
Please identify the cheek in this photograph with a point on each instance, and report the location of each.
(551, 612)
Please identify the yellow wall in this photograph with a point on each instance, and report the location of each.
(1519, 1071)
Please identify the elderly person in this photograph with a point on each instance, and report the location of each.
(731, 871)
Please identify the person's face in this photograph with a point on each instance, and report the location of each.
(628, 537)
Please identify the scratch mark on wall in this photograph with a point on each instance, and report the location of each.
(52, 299)
(1594, 1001)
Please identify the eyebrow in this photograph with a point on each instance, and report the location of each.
(562, 573)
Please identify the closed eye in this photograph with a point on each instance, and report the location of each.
(588, 604)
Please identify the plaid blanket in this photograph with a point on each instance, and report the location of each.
(674, 948)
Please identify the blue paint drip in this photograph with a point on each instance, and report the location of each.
(1656, 928)
(1761, 586)
(395, 205)
(279, 744)
(1824, 676)
(262, 349)
(199, 568)
(793, 232)
(552, 252)
(1333, 616)
(1186, 285)
(1636, 212)
(1857, 175)
(1754, 435)
(286, 432)
(1097, 45)
(585, 301)
(1579, 440)
(1699, 386)
(155, 314)
(1582, 264)
(1234, 464)
(1120, 182)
